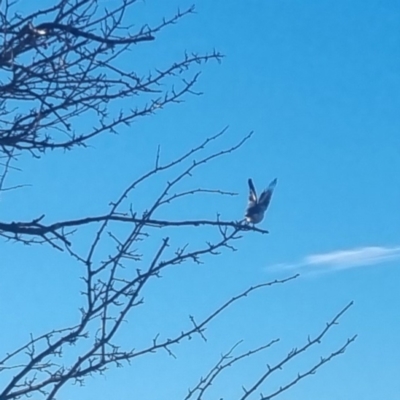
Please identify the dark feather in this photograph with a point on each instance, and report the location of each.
(252, 194)
(266, 195)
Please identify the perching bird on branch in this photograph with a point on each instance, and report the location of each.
(256, 207)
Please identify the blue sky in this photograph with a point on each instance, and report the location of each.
(318, 82)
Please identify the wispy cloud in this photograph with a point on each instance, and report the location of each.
(344, 259)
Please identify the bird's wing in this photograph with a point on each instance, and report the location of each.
(266, 195)
(252, 194)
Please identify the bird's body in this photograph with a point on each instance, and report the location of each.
(257, 206)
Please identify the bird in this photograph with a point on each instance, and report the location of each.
(256, 207)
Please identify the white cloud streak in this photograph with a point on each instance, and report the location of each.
(345, 259)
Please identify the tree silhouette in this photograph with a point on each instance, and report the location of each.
(59, 65)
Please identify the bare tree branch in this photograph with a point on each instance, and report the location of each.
(42, 375)
(70, 72)
(296, 352)
(59, 65)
